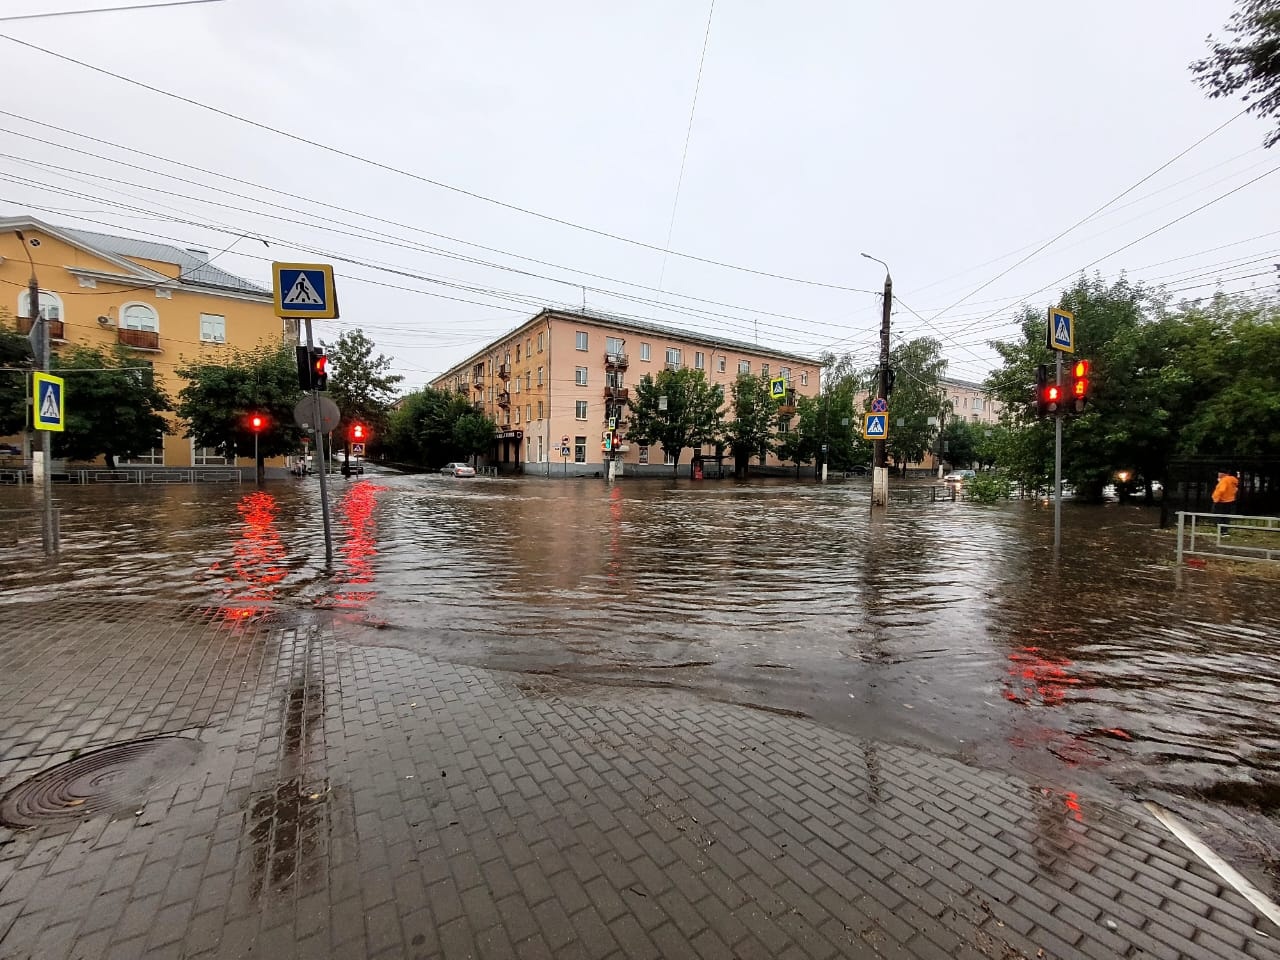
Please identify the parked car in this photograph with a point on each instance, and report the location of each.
(958, 477)
(9, 450)
(457, 470)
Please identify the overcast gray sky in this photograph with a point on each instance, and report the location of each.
(946, 139)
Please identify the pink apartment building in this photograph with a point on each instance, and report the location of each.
(554, 382)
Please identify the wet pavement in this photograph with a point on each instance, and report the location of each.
(940, 659)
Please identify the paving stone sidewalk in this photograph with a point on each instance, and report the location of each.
(350, 798)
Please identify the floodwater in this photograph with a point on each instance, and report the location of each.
(947, 625)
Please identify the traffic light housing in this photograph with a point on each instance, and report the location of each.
(1080, 385)
(1048, 393)
(313, 368)
(358, 433)
(257, 422)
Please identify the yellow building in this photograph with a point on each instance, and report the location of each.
(167, 304)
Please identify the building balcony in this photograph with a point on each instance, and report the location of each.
(504, 371)
(478, 383)
(504, 399)
(56, 329)
(138, 339)
(616, 394)
(478, 407)
(670, 365)
(618, 361)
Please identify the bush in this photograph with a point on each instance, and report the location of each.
(988, 488)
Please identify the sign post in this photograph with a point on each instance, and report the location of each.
(305, 291)
(564, 453)
(1060, 333)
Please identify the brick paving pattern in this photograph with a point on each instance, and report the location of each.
(354, 799)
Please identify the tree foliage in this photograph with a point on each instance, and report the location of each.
(113, 405)
(433, 427)
(1248, 63)
(755, 420)
(361, 384)
(830, 418)
(219, 398)
(917, 398)
(676, 409)
(15, 351)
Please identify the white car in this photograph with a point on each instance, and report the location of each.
(458, 470)
(959, 476)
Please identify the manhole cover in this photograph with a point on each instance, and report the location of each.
(103, 780)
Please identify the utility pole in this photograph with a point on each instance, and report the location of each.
(1057, 462)
(318, 443)
(40, 341)
(880, 468)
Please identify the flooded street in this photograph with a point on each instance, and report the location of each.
(946, 625)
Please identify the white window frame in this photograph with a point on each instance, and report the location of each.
(579, 449)
(675, 357)
(151, 458)
(199, 458)
(540, 416)
(581, 340)
(213, 328)
(539, 343)
(804, 378)
(580, 376)
(723, 362)
(698, 359)
(539, 376)
(47, 299)
(744, 366)
(668, 459)
(614, 346)
(124, 316)
(644, 352)
(517, 409)
(764, 369)
(580, 410)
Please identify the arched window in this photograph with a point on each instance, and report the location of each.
(50, 305)
(139, 316)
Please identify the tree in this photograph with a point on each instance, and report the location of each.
(473, 434)
(219, 398)
(1248, 64)
(918, 366)
(831, 420)
(432, 427)
(361, 384)
(676, 409)
(113, 405)
(755, 418)
(15, 351)
(961, 440)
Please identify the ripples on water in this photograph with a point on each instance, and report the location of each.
(945, 623)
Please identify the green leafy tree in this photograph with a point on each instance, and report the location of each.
(113, 405)
(755, 419)
(961, 440)
(432, 427)
(15, 351)
(361, 384)
(917, 398)
(832, 418)
(676, 409)
(218, 400)
(1249, 62)
(473, 434)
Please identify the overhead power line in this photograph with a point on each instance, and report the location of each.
(400, 171)
(76, 13)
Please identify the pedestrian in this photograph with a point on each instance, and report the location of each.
(1224, 497)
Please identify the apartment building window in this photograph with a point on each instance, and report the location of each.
(673, 357)
(784, 372)
(975, 418)
(764, 369)
(50, 305)
(720, 364)
(206, 457)
(644, 454)
(517, 353)
(139, 316)
(977, 404)
(539, 409)
(528, 380)
(580, 376)
(744, 366)
(491, 394)
(153, 457)
(539, 343)
(644, 352)
(517, 414)
(517, 383)
(528, 412)
(580, 340)
(613, 378)
(580, 410)
(698, 360)
(614, 345)
(804, 378)
(506, 360)
(213, 328)
(579, 449)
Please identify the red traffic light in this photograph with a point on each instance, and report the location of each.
(1081, 369)
(1080, 384)
(257, 423)
(1052, 393)
(320, 365)
(358, 432)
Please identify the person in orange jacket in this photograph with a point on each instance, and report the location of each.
(1224, 496)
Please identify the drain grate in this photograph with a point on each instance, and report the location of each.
(105, 780)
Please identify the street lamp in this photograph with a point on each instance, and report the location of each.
(880, 472)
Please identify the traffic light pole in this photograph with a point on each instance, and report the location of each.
(1057, 463)
(323, 469)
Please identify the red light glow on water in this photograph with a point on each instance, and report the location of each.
(258, 562)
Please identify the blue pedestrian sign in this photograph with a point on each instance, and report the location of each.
(1062, 330)
(875, 426)
(50, 412)
(304, 290)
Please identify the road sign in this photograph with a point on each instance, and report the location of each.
(879, 405)
(875, 426)
(564, 452)
(778, 388)
(304, 290)
(304, 414)
(1062, 330)
(49, 413)
(357, 449)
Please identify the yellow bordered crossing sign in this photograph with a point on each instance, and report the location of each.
(49, 412)
(304, 290)
(1062, 330)
(875, 426)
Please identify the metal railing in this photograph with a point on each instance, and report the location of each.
(1253, 539)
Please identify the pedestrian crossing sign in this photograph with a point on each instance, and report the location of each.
(1062, 330)
(875, 426)
(304, 290)
(49, 411)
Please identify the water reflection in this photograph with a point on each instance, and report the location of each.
(357, 548)
(258, 564)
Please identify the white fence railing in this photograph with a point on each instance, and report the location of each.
(1228, 536)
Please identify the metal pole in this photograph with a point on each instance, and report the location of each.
(256, 475)
(880, 469)
(1057, 462)
(1181, 526)
(318, 440)
(48, 532)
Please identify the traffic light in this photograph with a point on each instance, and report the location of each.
(607, 444)
(1048, 393)
(1080, 385)
(257, 423)
(313, 368)
(358, 433)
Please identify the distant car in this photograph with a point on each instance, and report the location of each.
(458, 470)
(9, 450)
(959, 476)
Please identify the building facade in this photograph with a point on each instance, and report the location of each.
(166, 304)
(969, 401)
(553, 384)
